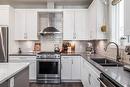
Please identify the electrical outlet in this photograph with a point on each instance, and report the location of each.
(12, 82)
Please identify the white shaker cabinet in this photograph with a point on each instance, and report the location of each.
(31, 24)
(76, 68)
(84, 74)
(29, 59)
(4, 15)
(68, 25)
(75, 24)
(127, 17)
(20, 25)
(25, 24)
(82, 31)
(70, 70)
(97, 18)
(66, 68)
(89, 74)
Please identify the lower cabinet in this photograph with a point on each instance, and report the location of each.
(70, 68)
(32, 66)
(89, 74)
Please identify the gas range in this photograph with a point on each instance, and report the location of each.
(48, 67)
(48, 55)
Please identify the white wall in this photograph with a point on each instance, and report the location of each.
(13, 45)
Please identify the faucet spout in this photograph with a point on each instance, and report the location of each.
(118, 55)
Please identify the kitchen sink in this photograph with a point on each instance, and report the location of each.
(106, 62)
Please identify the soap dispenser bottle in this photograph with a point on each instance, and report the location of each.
(20, 51)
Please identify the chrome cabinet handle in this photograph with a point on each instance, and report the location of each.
(101, 82)
(25, 35)
(74, 35)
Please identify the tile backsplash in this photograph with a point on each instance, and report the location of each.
(48, 44)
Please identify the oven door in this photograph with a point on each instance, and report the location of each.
(48, 68)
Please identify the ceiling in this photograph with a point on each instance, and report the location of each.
(43, 3)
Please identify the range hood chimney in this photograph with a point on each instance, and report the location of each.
(50, 29)
(50, 5)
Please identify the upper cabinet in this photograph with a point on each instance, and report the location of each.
(25, 24)
(81, 25)
(4, 14)
(85, 24)
(97, 18)
(75, 25)
(68, 25)
(127, 17)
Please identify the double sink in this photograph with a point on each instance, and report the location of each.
(107, 62)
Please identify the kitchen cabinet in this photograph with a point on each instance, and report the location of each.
(75, 67)
(4, 15)
(75, 25)
(82, 32)
(25, 24)
(66, 68)
(68, 25)
(70, 68)
(97, 18)
(29, 59)
(126, 17)
(89, 74)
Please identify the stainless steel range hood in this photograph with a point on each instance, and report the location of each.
(49, 30)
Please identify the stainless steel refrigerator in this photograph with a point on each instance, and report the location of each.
(3, 44)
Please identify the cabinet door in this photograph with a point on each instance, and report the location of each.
(92, 10)
(84, 73)
(31, 24)
(68, 25)
(20, 28)
(66, 64)
(4, 16)
(127, 17)
(76, 68)
(81, 25)
(32, 70)
(101, 19)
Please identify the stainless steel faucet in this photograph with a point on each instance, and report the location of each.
(118, 55)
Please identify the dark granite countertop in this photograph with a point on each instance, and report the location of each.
(23, 54)
(116, 74)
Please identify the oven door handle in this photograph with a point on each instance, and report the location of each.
(101, 82)
(49, 60)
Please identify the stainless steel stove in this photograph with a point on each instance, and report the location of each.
(48, 67)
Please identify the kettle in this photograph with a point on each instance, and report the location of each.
(56, 49)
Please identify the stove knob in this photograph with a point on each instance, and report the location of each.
(38, 56)
(57, 56)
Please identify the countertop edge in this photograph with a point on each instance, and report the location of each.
(13, 74)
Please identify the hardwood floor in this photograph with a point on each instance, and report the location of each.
(56, 85)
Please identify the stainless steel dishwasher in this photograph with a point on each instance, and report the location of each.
(106, 82)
